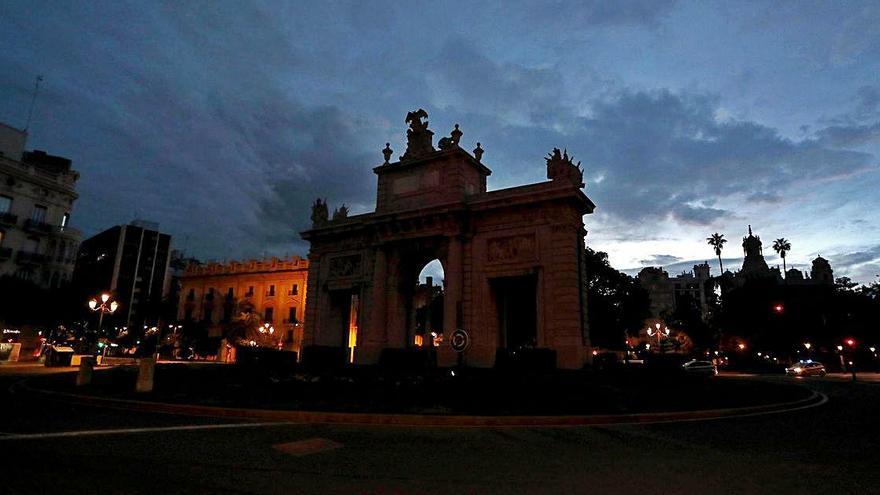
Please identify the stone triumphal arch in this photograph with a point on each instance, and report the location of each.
(512, 258)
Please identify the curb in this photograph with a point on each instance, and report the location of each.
(426, 420)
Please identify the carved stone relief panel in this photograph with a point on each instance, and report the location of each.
(345, 266)
(511, 249)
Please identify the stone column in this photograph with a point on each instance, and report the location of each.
(453, 273)
(376, 335)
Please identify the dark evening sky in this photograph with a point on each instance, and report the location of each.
(222, 121)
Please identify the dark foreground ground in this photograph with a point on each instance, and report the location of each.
(467, 391)
(827, 449)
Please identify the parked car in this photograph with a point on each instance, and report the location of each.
(806, 368)
(700, 367)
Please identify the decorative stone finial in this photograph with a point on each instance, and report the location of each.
(478, 152)
(419, 140)
(387, 152)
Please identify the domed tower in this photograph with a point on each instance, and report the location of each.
(821, 273)
(753, 263)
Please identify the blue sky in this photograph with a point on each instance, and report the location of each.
(224, 120)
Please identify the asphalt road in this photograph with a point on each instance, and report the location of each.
(832, 447)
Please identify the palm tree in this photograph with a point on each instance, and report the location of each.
(781, 246)
(717, 241)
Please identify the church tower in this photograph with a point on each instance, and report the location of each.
(753, 263)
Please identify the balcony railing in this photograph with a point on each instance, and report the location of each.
(26, 257)
(48, 228)
(38, 226)
(8, 219)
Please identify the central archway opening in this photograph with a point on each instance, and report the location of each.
(426, 321)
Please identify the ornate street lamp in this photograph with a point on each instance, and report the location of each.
(103, 308)
(660, 334)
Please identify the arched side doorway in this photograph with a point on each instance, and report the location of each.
(426, 322)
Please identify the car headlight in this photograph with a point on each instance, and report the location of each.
(796, 370)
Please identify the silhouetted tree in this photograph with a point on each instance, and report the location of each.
(616, 304)
(717, 241)
(782, 246)
(844, 284)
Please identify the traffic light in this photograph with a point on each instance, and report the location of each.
(850, 342)
(778, 308)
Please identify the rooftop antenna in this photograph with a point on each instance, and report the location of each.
(33, 100)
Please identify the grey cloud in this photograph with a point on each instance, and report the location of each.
(596, 12)
(660, 260)
(661, 154)
(847, 261)
(855, 135)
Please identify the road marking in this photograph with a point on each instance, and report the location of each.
(125, 431)
(307, 447)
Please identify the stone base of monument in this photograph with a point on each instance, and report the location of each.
(146, 370)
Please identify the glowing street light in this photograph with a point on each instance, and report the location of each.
(660, 334)
(807, 345)
(103, 308)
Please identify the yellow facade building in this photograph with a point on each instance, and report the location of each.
(273, 289)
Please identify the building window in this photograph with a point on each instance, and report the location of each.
(209, 314)
(32, 245)
(294, 290)
(250, 291)
(2, 236)
(271, 291)
(5, 204)
(291, 315)
(192, 295)
(210, 295)
(269, 316)
(39, 214)
(230, 294)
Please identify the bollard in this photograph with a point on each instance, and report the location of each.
(86, 369)
(146, 368)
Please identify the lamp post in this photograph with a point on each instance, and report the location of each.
(660, 334)
(103, 308)
(268, 329)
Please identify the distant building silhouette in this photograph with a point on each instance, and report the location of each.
(667, 293)
(755, 267)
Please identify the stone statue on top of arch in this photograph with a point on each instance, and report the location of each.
(320, 215)
(419, 139)
(561, 166)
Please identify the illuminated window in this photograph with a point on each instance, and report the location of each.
(65, 219)
(5, 204)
